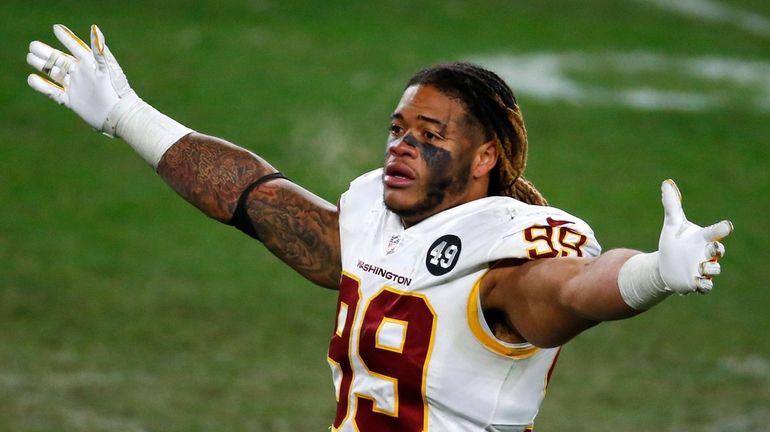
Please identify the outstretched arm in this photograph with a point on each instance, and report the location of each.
(297, 226)
(549, 301)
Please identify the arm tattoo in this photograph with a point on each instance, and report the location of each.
(210, 173)
(299, 228)
(295, 225)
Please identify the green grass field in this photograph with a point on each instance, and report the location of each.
(123, 309)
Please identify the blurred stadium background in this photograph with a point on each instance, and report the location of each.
(122, 309)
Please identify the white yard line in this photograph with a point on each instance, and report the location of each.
(551, 76)
(714, 11)
(751, 366)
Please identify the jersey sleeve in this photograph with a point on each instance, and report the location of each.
(363, 195)
(545, 232)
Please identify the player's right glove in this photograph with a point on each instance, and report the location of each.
(91, 83)
(686, 260)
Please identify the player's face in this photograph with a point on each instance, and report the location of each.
(429, 155)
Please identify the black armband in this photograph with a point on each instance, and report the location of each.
(240, 217)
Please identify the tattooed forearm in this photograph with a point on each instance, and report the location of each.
(297, 226)
(211, 173)
(301, 229)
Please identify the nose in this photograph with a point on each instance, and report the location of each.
(403, 147)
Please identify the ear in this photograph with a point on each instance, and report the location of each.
(485, 158)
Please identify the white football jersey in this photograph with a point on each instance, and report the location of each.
(411, 350)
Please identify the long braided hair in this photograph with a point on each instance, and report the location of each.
(492, 105)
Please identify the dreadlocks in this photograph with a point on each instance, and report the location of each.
(491, 105)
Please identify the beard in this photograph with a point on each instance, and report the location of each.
(439, 187)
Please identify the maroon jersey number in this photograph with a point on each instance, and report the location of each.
(403, 365)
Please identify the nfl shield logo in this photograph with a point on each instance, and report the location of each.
(392, 245)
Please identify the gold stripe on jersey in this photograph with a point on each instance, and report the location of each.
(341, 318)
(375, 407)
(394, 380)
(520, 351)
(404, 325)
(336, 365)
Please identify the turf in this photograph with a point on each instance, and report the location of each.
(122, 309)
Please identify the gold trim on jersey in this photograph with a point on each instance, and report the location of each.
(341, 318)
(338, 367)
(375, 407)
(517, 351)
(404, 325)
(336, 364)
(353, 397)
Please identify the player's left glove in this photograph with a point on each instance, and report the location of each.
(686, 260)
(688, 254)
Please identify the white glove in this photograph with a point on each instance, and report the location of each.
(685, 262)
(89, 82)
(92, 84)
(688, 253)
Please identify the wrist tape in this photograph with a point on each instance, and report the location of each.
(640, 282)
(144, 128)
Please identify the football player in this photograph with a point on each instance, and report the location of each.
(457, 282)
